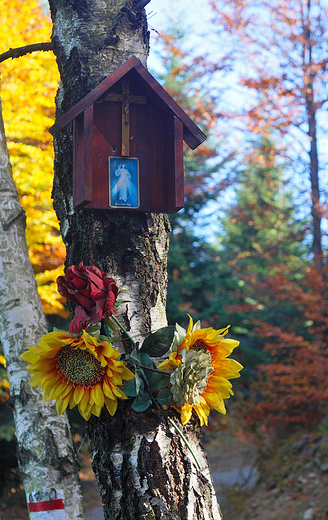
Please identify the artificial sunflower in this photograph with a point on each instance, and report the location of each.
(200, 371)
(77, 371)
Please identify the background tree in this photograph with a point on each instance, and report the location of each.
(132, 248)
(45, 447)
(285, 47)
(261, 238)
(192, 260)
(28, 87)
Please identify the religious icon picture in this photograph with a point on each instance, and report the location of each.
(123, 182)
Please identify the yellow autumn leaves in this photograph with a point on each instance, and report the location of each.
(28, 88)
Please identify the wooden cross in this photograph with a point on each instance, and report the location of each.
(126, 99)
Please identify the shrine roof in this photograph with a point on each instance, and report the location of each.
(192, 134)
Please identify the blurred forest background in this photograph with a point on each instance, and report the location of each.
(250, 247)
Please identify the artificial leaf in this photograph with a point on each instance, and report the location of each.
(141, 403)
(146, 361)
(140, 385)
(130, 389)
(159, 342)
(165, 397)
(109, 326)
(135, 358)
(157, 381)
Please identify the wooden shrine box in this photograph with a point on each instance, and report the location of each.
(128, 138)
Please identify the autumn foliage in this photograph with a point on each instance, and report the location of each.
(28, 87)
(259, 276)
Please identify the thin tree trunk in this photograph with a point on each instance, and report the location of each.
(315, 192)
(46, 455)
(144, 470)
(308, 80)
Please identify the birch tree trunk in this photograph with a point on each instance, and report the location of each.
(143, 468)
(46, 453)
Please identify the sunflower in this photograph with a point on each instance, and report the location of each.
(77, 371)
(200, 371)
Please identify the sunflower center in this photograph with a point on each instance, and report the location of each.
(199, 345)
(79, 367)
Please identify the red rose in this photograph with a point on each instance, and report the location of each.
(92, 290)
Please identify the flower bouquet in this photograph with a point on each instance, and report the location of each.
(187, 369)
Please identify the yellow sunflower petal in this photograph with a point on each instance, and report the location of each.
(45, 396)
(31, 356)
(87, 412)
(61, 404)
(107, 391)
(78, 393)
(116, 379)
(55, 340)
(109, 351)
(186, 413)
(215, 401)
(72, 401)
(50, 380)
(116, 391)
(127, 375)
(96, 410)
(97, 395)
(84, 401)
(36, 379)
(199, 409)
(111, 405)
(57, 389)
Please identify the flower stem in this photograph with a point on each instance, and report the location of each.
(184, 439)
(123, 329)
(163, 412)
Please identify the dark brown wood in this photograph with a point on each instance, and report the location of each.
(126, 99)
(178, 161)
(130, 117)
(88, 152)
(192, 135)
(26, 49)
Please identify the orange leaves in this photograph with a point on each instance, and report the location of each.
(293, 387)
(28, 87)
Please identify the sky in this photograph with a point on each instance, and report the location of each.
(194, 14)
(195, 17)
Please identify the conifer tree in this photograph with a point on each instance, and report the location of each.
(192, 260)
(261, 238)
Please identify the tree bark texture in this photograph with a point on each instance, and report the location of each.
(46, 454)
(311, 109)
(143, 468)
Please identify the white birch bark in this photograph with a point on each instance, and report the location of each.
(144, 469)
(46, 454)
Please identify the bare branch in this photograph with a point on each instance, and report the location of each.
(21, 51)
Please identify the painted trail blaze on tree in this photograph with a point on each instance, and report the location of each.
(129, 117)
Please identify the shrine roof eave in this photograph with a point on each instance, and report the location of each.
(192, 134)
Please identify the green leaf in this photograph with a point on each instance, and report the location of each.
(158, 343)
(94, 329)
(165, 397)
(157, 381)
(135, 358)
(140, 385)
(105, 338)
(146, 361)
(109, 326)
(141, 403)
(130, 389)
